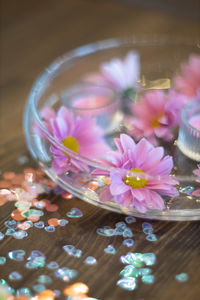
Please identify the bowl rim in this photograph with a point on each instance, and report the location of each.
(45, 78)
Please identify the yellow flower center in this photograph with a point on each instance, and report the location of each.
(71, 143)
(135, 182)
(156, 122)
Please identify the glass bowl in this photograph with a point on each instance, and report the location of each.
(62, 83)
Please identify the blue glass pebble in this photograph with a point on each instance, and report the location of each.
(15, 276)
(11, 224)
(127, 233)
(182, 277)
(90, 260)
(65, 273)
(1, 236)
(151, 238)
(130, 220)
(57, 293)
(10, 231)
(149, 259)
(52, 265)
(44, 279)
(19, 235)
(17, 255)
(24, 291)
(110, 249)
(149, 279)
(38, 288)
(50, 228)
(147, 225)
(187, 190)
(147, 230)
(75, 213)
(63, 222)
(39, 224)
(128, 243)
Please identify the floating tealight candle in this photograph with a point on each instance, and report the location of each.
(189, 132)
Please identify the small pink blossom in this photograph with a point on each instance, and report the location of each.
(134, 192)
(121, 75)
(189, 82)
(197, 172)
(80, 135)
(155, 114)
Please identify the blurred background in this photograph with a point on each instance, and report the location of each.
(33, 33)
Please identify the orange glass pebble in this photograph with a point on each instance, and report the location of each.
(23, 226)
(76, 289)
(16, 215)
(107, 181)
(51, 207)
(46, 295)
(8, 175)
(33, 218)
(53, 222)
(21, 297)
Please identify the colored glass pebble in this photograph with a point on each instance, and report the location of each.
(149, 259)
(63, 222)
(11, 224)
(127, 233)
(39, 224)
(187, 190)
(147, 230)
(44, 279)
(52, 265)
(127, 283)
(151, 238)
(147, 225)
(75, 213)
(38, 288)
(130, 271)
(145, 271)
(130, 220)
(10, 231)
(149, 279)
(90, 260)
(128, 243)
(24, 291)
(50, 228)
(65, 274)
(182, 277)
(2, 260)
(110, 249)
(15, 276)
(1, 236)
(20, 234)
(17, 255)
(53, 222)
(75, 290)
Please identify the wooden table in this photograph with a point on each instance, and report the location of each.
(33, 33)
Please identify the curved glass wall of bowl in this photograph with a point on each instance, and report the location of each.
(62, 84)
(189, 132)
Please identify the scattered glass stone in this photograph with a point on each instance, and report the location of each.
(20, 234)
(149, 279)
(65, 274)
(145, 271)
(29, 222)
(182, 277)
(121, 225)
(151, 238)
(119, 231)
(127, 283)
(127, 233)
(77, 253)
(130, 220)
(34, 254)
(63, 222)
(24, 291)
(90, 260)
(187, 190)
(149, 259)
(69, 249)
(105, 232)
(50, 228)
(57, 293)
(110, 249)
(15, 276)
(130, 271)
(3, 282)
(2, 260)
(1, 236)
(130, 258)
(147, 225)
(75, 213)
(11, 224)
(38, 288)
(39, 224)
(17, 255)
(128, 242)
(44, 279)
(52, 265)
(10, 231)
(148, 230)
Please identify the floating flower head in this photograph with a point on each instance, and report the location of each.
(140, 175)
(122, 75)
(80, 135)
(155, 114)
(189, 82)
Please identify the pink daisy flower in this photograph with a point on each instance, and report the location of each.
(155, 115)
(122, 75)
(189, 82)
(80, 135)
(134, 160)
(197, 172)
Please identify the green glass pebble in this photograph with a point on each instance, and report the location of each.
(38, 288)
(130, 271)
(110, 249)
(24, 291)
(145, 271)
(182, 277)
(44, 279)
(2, 260)
(3, 282)
(14, 276)
(148, 279)
(149, 259)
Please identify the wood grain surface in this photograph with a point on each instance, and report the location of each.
(33, 33)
